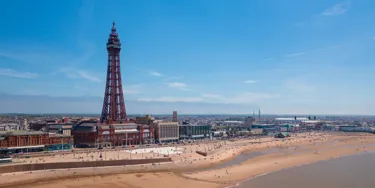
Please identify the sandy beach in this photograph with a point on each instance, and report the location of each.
(189, 169)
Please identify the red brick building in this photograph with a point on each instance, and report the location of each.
(91, 134)
(85, 134)
(25, 140)
(131, 134)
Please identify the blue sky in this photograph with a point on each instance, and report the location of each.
(283, 56)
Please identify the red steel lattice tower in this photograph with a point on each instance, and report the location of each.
(113, 105)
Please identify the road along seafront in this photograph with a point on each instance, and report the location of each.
(227, 163)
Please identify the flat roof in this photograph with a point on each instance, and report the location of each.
(21, 147)
(18, 132)
(291, 119)
(233, 122)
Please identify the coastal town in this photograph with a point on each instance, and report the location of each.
(232, 141)
(222, 161)
(60, 133)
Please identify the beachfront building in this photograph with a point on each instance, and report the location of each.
(92, 134)
(289, 127)
(267, 128)
(60, 128)
(194, 132)
(256, 132)
(85, 133)
(166, 131)
(146, 120)
(59, 142)
(29, 141)
(131, 134)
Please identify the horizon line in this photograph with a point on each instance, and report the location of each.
(187, 114)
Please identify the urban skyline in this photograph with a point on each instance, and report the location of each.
(300, 59)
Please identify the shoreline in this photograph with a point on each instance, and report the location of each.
(186, 171)
(277, 162)
(300, 165)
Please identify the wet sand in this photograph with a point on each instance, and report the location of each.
(282, 153)
(349, 171)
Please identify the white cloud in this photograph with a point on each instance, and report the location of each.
(250, 81)
(299, 85)
(213, 96)
(154, 73)
(43, 55)
(174, 78)
(296, 54)
(312, 51)
(88, 76)
(79, 74)
(32, 55)
(337, 9)
(326, 48)
(14, 73)
(250, 97)
(132, 89)
(172, 99)
(178, 85)
(242, 98)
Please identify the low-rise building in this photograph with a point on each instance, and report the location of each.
(37, 126)
(62, 128)
(257, 131)
(194, 131)
(147, 120)
(85, 134)
(91, 134)
(131, 134)
(28, 141)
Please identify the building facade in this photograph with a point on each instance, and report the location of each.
(166, 131)
(28, 141)
(174, 117)
(146, 120)
(85, 134)
(132, 134)
(64, 129)
(249, 121)
(257, 131)
(91, 134)
(37, 126)
(194, 132)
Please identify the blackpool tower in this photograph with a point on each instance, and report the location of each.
(113, 105)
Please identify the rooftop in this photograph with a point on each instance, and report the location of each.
(21, 132)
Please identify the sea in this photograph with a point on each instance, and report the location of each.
(355, 171)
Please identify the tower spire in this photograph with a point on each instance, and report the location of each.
(113, 27)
